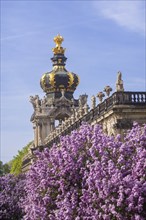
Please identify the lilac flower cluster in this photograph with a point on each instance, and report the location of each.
(89, 176)
(11, 197)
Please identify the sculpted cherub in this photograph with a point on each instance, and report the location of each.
(35, 101)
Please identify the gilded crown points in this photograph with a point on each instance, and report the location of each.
(58, 40)
(59, 78)
(58, 49)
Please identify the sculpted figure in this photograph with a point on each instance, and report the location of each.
(100, 96)
(119, 83)
(83, 100)
(44, 102)
(35, 101)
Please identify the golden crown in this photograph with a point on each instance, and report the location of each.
(58, 49)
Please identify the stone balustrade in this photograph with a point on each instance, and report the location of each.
(117, 99)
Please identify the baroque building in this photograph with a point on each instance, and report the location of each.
(58, 103)
(116, 112)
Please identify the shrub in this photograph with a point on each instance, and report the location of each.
(16, 164)
(89, 176)
(11, 196)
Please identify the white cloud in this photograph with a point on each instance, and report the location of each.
(129, 14)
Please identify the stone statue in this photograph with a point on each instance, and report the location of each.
(83, 100)
(107, 90)
(35, 102)
(119, 83)
(44, 102)
(100, 96)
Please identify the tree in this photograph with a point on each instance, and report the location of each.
(4, 168)
(16, 166)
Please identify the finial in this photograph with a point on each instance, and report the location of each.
(107, 89)
(58, 49)
(119, 83)
(58, 40)
(100, 95)
(93, 102)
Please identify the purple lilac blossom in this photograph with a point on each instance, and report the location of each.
(11, 197)
(89, 176)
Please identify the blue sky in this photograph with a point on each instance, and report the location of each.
(100, 37)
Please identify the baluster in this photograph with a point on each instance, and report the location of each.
(134, 97)
(105, 103)
(142, 97)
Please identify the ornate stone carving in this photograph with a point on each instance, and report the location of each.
(119, 83)
(93, 102)
(44, 102)
(100, 96)
(83, 100)
(35, 101)
(107, 90)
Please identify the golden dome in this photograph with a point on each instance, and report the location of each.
(59, 78)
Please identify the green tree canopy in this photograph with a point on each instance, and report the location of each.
(4, 168)
(16, 167)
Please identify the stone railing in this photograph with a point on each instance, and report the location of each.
(75, 121)
(82, 115)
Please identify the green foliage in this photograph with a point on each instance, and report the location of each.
(4, 168)
(16, 167)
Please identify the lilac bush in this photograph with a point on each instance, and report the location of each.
(11, 197)
(116, 180)
(89, 176)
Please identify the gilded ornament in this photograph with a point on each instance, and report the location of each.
(71, 79)
(59, 61)
(43, 79)
(52, 79)
(78, 80)
(61, 87)
(58, 40)
(58, 49)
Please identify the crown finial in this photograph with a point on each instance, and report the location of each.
(58, 40)
(58, 49)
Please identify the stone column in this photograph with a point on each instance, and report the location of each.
(39, 133)
(35, 135)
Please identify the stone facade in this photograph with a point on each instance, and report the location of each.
(116, 112)
(49, 110)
